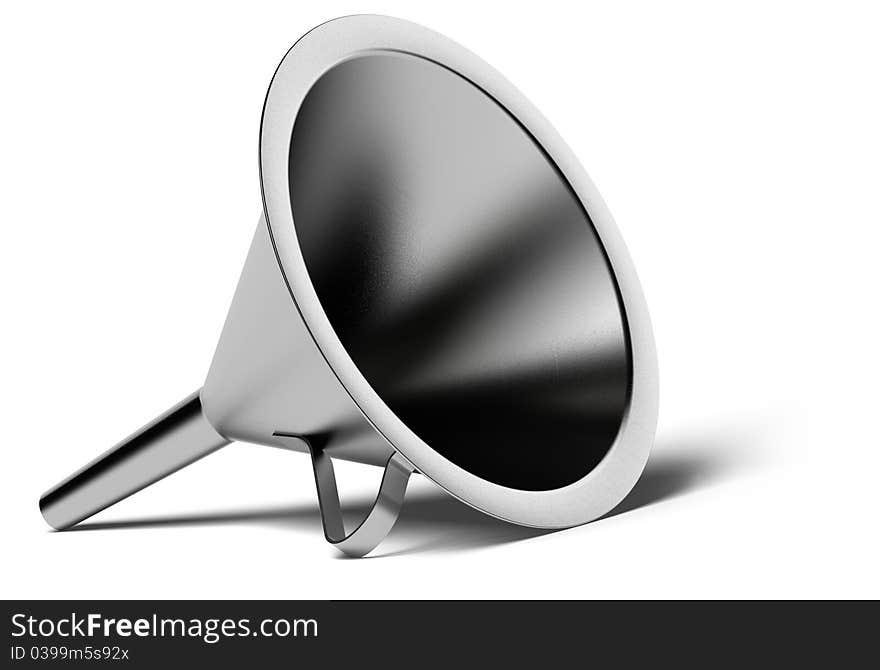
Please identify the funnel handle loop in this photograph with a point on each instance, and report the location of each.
(381, 517)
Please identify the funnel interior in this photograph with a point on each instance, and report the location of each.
(459, 270)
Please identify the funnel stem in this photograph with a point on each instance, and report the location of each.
(172, 441)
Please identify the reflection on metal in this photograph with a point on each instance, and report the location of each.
(459, 271)
(382, 515)
(172, 441)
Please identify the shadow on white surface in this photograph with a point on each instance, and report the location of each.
(433, 521)
(671, 474)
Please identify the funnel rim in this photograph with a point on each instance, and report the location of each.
(309, 59)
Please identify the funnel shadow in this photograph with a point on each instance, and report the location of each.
(669, 475)
(433, 521)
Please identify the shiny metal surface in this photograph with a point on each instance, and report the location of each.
(438, 204)
(459, 271)
(172, 441)
(268, 377)
(435, 284)
(382, 515)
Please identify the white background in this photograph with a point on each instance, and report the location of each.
(737, 145)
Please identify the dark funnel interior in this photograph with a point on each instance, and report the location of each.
(459, 270)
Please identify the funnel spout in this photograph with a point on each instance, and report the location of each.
(179, 437)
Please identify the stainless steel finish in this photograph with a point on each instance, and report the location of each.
(268, 377)
(435, 284)
(412, 189)
(174, 440)
(459, 271)
(381, 517)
